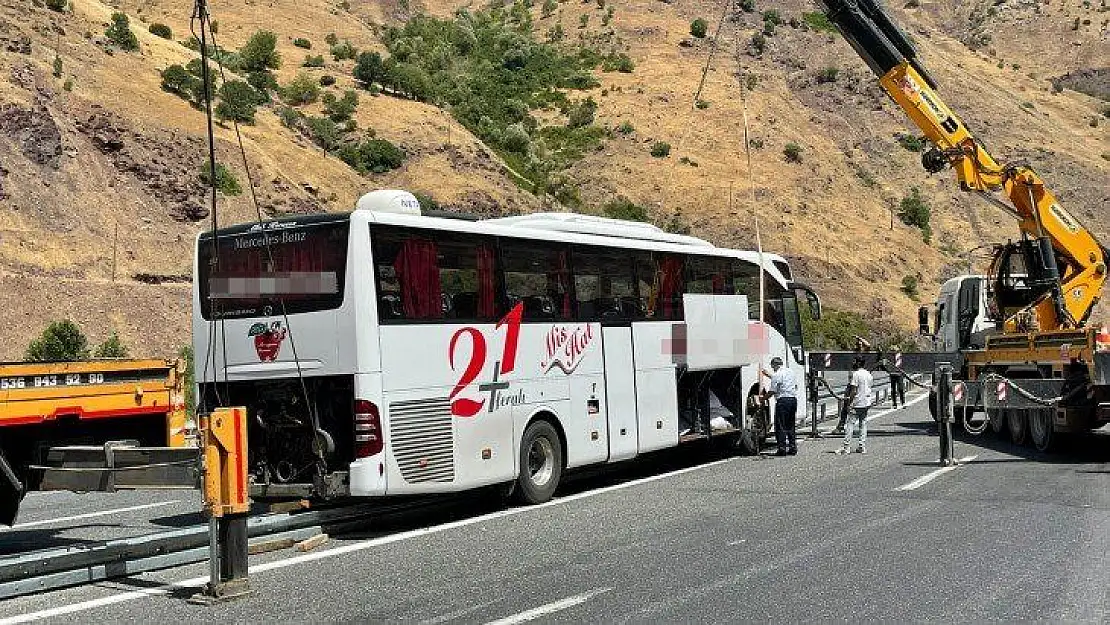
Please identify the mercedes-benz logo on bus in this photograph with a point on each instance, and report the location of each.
(267, 311)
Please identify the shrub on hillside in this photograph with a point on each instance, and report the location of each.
(57, 5)
(260, 52)
(340, 109)
(626, 209)
(161, 30)
(372, 155)
(177, 80)
(661, 149)
(911, 143)
(582, 113)
(119, 33)
(301, 90)
(303, 43)
(827, 75)
(698, 28)
(819, 22)
(915, 212)
(313, 61)
(226, 182)
(909, 286)
(61, 341)
(238, 101)
(343, 51)
(324, 132)
(112, 347)
(792, 152)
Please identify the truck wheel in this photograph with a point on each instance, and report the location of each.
(541, 463)
(1016, 419)
(998, 420)
(1042, 429)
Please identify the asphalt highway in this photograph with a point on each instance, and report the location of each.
(700, 536)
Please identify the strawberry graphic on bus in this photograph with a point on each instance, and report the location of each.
(267, 340)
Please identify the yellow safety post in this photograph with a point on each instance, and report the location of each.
(226, 503)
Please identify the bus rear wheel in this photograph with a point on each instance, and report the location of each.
(541, 463)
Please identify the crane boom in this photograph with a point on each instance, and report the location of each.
(1064, 263)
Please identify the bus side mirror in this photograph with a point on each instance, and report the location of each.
(923, 320)
(814, 305)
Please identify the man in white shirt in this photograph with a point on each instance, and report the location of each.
(860, 400)
(784, 386)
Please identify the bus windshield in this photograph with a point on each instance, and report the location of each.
(300, 264)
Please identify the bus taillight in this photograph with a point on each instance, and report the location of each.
(368, 429)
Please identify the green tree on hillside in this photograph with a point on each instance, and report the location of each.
(238, 101)
(112, 347)
(369, 69)
(61, 341)
(260, 53)
(119, 33)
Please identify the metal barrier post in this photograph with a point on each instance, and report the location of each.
(944, 410)
(224, 437)
(813, 433)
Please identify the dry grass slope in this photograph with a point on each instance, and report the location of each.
(101, 179)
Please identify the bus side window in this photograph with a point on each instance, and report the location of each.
(604, 285)
(670, 280)
(647, 284)
(406, 265)
(708, 274)
(538, 275)
(468, 275)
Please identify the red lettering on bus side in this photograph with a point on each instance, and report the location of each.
(512, 337)
(463, 407)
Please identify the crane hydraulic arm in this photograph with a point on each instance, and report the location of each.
(1065, 266)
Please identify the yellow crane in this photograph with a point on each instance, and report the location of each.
(1041, 289)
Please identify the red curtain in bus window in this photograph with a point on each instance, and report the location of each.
(564, 282)
(418, 273)
(487, 299)
(670, 286)
(718, 284)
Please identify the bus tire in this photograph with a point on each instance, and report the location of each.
(541, 463)
(1042, 429)
(1016, 419)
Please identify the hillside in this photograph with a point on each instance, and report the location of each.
(101, 200)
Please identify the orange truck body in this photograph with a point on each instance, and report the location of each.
(36, 396)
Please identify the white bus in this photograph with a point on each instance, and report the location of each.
(383, 352)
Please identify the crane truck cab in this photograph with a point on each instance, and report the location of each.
(961, 319)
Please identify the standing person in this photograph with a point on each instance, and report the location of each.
(784, 386)
(862, 345)
(861, 400)
(897, 382)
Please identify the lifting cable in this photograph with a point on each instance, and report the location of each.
(202, 15)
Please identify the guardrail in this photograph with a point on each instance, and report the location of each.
(50, 569)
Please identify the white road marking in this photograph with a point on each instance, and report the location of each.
(550, 608)
(89, 515)
(929, 477)
(344, 549)
(737, 542)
